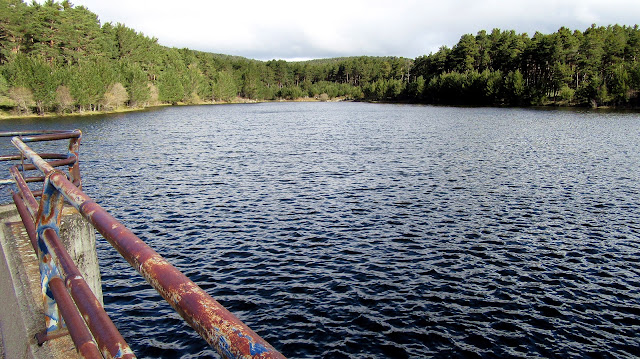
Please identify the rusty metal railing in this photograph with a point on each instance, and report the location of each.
(91, 329)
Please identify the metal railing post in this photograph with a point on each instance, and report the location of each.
(108, 338)
(49, 218)
(74, 170)
(80, 335)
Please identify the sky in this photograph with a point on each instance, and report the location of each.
(300, 30)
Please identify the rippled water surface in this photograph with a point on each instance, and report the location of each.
(349, 230)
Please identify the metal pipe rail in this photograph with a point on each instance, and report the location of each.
(220, 328)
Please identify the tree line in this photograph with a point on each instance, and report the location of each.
(57, 57)
(596, 67)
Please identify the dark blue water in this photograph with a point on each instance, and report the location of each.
(349, 230)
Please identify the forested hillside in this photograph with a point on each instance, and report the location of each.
(599, 66)
(57, 57)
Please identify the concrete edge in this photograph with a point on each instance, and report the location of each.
(18, 316)
(22, 313)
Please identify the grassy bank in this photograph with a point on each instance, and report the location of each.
(6, 115)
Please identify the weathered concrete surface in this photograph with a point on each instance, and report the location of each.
(79, 238)
(21, 307)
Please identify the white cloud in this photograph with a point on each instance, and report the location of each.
(300, 29)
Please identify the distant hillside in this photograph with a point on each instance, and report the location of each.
(57, 57)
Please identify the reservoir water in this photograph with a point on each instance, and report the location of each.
(353, 230)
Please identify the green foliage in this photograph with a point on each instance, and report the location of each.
(4, 85)
(89, 80)
(416, 89)
(290, 92)
(514, 87)
(135, 81)
(64, 100)
(597, 67)
(170, 87)
(567, 94)
(224, 87)
(194, 84)
(12, 15)
(37, 75)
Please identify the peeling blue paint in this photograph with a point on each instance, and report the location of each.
(257, 348)
(254, 348)
(49, 218)
(225, 347)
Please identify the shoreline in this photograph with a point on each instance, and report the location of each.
(5, 116)
(8, 116)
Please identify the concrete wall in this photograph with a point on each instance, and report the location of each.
(21, 306)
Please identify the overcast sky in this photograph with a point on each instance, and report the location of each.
(298, 29)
